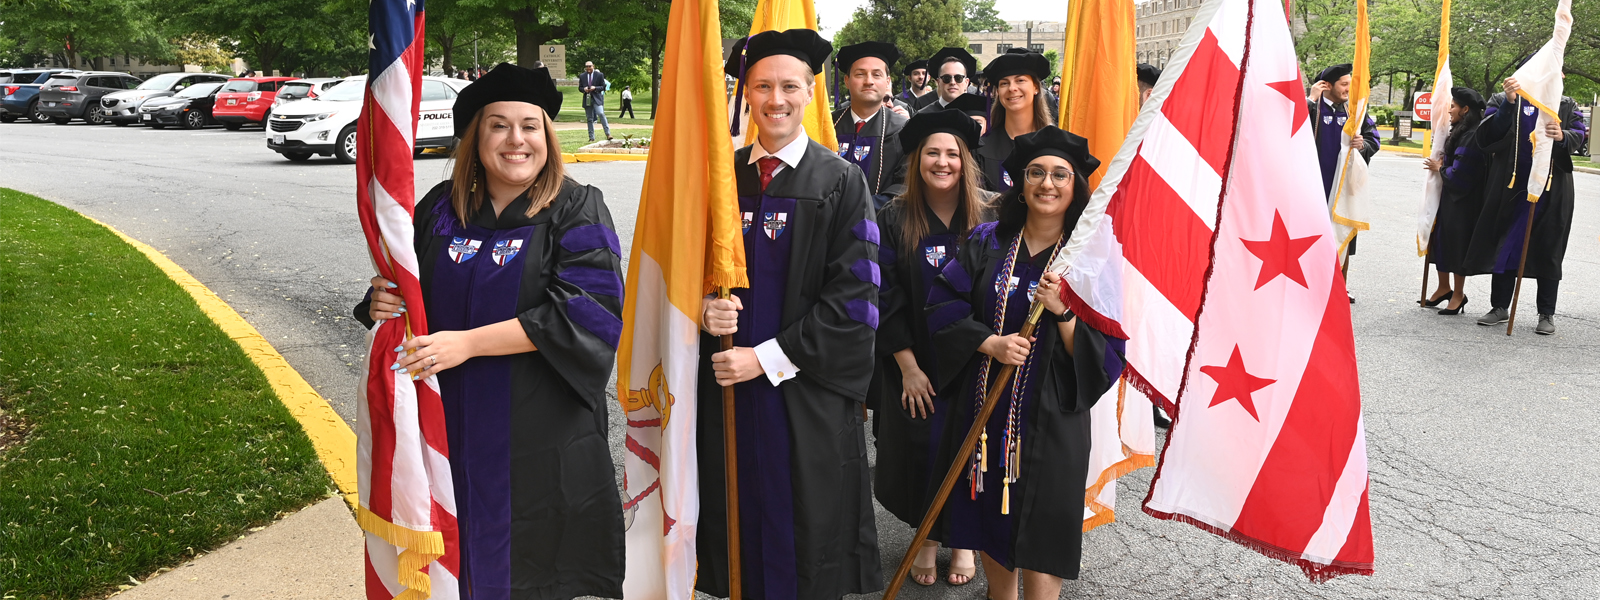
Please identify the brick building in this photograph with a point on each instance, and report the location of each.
(1158, 27)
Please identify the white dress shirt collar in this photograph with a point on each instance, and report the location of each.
(790, 154)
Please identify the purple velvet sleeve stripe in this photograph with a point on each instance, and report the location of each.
(957, 276)
(591, 237)
(940, 294)
(592, 280)
(866, 230)
(867, 271)
(589, 315)
(1116, 348)
(948, 314)
(860, 310)
(444, 216)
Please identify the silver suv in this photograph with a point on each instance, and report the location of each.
(122, 108)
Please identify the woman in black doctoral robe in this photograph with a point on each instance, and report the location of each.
(521, 277)
(1462, 168)
(922, 230)
(1021, 500)
(1019, 108)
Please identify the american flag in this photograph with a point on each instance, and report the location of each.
(407, 503)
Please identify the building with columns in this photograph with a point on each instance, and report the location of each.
(1044, 37)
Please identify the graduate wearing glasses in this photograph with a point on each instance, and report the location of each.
(1020, 501)
(952, 70)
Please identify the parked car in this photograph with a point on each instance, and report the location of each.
(190, 108)
(326, 125)
(20, 97)
(122, 108)
(245, 100)
(76, 95)
(301, 89)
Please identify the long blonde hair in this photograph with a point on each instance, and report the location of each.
(914, 224)
(467, 196)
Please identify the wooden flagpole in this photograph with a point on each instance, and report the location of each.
(730, 453)
(1516, 294)
(1423, 300)
(959, 464)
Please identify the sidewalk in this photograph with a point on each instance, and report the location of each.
(313, 554)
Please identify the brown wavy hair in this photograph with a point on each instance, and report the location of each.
(468, 169)
(973, 202)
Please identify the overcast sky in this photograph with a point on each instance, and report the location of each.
(835, 13)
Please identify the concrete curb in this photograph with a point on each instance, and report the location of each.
(335, 443)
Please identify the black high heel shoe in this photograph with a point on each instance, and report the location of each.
(1458, 309)
(1441, 300)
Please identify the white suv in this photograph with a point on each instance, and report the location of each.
(326, 125)
(122, 108)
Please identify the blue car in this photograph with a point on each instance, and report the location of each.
(19, 93)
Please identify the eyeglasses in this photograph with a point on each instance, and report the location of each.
(952, 78)
(1035, 176)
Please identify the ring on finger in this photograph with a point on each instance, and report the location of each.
(433, 360)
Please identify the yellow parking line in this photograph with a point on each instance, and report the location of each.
(335, 443)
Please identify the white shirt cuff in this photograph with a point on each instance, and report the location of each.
(775, 362)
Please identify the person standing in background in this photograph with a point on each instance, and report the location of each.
(627, 103)
(593, 85)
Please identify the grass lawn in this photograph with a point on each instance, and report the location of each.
(153, 437)
(1403, 143)
(573, 139)
(572, 106)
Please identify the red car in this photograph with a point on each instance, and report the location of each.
(246, 100)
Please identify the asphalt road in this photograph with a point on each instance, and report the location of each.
(1482, 446)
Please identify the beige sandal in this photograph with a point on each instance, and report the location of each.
(968, 572)
(926, 576)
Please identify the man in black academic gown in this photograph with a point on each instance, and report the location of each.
(868, 130)
(917, 93)
(952, 69)
(1328, 107)
(802, 359)
(1496, 245)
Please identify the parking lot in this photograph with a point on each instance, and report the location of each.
(1482, 446)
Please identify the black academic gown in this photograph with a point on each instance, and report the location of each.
(991, 154)
(908, 445)
(535, 490)
(806, 515)
(1497, 241)
(1044, 530)
(875, 150)
(919, 102)
(1327, 123)
(1460, 202)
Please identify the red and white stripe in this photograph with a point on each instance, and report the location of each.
(1163, 258)
(407, 503)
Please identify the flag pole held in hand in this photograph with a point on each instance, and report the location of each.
(1001, 383)
(730, 452)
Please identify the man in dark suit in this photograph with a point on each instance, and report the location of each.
(593, 85)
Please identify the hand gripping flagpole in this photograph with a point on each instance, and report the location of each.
(957, 466)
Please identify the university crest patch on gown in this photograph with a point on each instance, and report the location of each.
(935, 255)
(862, 152)
(1007, 287)
(1528, 110)
(505, 250)
(844, 149)
(747, 217)
(1006, 177)
(463, 249)
(1342, 120)
(1327, 119)
(774, 224)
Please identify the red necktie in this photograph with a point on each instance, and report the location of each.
(768, 165)
(858, 126)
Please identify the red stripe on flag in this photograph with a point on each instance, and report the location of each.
(375, 588)
(380, 416)
(1358, 545)
(1292, 490)
(446, 523)
(1201, 105)
(1161, 236)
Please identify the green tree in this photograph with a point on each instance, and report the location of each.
(980, 16)
(455, 29)
(917, 27)
(268, 33)
(534, 22)
(91, 29)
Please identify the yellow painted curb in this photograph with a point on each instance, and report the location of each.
(1405, 150)
(334, 441)
(602, 157)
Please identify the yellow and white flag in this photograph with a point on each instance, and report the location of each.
(1540, 80)
(1438, 132)
(1099, 100)
(783, 15)
(1349, 204)
(687, 242)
